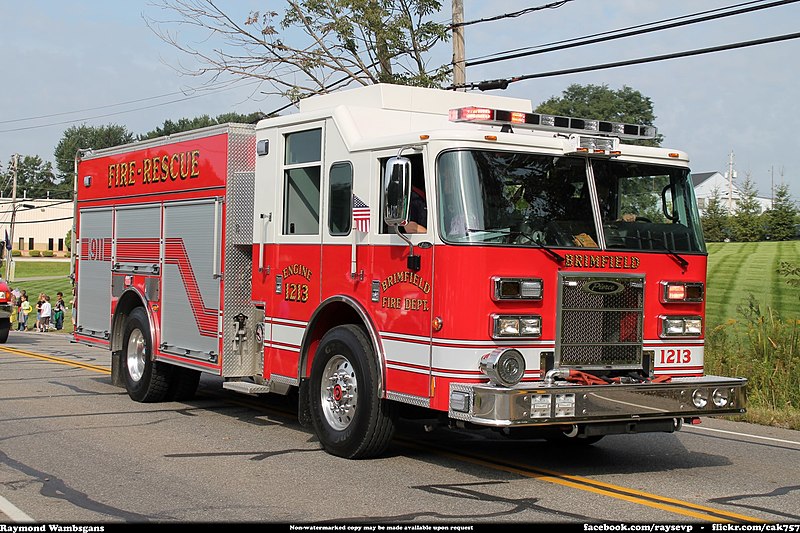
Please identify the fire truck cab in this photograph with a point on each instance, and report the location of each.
(391, 246)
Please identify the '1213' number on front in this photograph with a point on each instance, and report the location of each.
(672, 357)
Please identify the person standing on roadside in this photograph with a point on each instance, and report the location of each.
(59, 308)
(24, 311)
(39, 302)
(47, 312)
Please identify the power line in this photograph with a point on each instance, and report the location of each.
(8, 201)
(503, 83)
(631, 33)
(129, 110)
(41, 221)
(554, 5)
(617, 30)
(184, 92)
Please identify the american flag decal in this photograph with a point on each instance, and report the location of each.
(360, 214)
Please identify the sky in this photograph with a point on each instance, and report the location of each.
(73, 62)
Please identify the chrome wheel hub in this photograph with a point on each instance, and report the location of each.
(339, 392)
(136, 355)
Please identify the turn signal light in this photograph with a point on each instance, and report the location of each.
(682, 292)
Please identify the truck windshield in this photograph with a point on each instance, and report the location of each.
(507, 198)
(647, 207)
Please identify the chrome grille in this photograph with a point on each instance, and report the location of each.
(600, 322)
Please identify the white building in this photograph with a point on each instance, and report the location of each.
(39, 225)
(705, 183)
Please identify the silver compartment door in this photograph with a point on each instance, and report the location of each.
(190, 297)
(93, 306)
(137, 239)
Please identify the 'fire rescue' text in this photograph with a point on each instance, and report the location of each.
(157, 169)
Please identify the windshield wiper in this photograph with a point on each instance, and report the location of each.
(554, 255)
(663, 243)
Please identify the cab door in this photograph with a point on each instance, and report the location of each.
(403, 291)
(296, 263)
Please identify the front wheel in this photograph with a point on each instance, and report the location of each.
(145, 380)
(348, 416)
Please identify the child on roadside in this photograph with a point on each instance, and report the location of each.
(39, 302)
(59, 308)
(47, 311)
(24, 311)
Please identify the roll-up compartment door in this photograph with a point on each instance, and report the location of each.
(137, 239)
(94, 273)
(190, 296)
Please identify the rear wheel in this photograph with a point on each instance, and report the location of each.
(145, 380)
(5, 327)
(349, 417)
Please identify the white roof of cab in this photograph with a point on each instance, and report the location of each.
(414, 99)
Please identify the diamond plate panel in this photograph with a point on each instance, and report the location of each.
(240, 356)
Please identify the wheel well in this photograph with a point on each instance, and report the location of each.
(335, 313)
(129, 301)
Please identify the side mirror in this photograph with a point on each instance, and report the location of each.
(667, 206)
(397, 191)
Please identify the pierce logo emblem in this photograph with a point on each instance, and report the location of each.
(603, 287)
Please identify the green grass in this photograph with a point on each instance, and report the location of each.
(753, 326)
(41, 267)
(736, 270)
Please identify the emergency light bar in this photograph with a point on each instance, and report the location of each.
(537, 121)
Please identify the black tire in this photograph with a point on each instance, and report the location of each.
(145, 380)
(363, 426)
(5, 327)
(183, 384)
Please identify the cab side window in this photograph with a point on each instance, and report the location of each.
(302, 170)
(418, 211)
(340, 208)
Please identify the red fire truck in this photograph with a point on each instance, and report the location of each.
(391, 246)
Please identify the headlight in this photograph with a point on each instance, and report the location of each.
(720, 397)
(681, 326)
(503, 366)
(504, 326)
(700, 398)
(678, 291)
(516, 289)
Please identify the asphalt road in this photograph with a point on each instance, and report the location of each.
(75, 449)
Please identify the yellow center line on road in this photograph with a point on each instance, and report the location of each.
(53, 359)
(597, 487)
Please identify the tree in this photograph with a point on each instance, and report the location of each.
(747, 224)
(186, 124)
(780, 220)
(715, 219)
(35, 179)
(602, 103)
(311, 46)
(83, 137)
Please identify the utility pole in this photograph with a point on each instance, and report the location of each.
(772, 186)
(13, 216)
(459, 69)
(730, 183)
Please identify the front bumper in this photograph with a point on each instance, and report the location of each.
(5, 310)
(535, 403)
